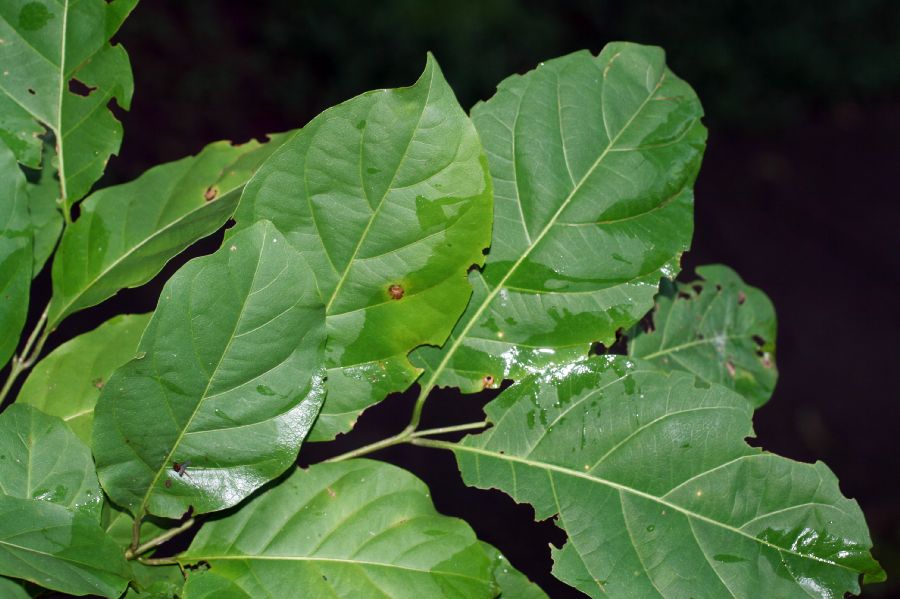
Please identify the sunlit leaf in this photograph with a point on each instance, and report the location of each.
(68, 381)
(352, 529)
(226, 383)
(720, 329)
(15, 254)
(593, 161)
(59, 549)
(40, 458)
(388, 197)
(60, 71)
(649, 474)
(127, 233)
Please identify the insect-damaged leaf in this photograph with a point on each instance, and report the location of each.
(593, 160)
(59, 70)
(15, 254)
(352, 529)
(67, 382)
(509, 582)
(388, 197)
(720, 329)
(127, 233)
(40, 458)
(227, 379)
(59, 549)
(649, 474)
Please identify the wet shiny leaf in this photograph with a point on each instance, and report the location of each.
(649, 474)
(60, 71)
(353, 529)
(40, 458)
(593, 161)
(127, 233)
(387, 195)
(68, 381)
(720, 329)
(509, 582)
(227, 380)
(15, 254)
(58, 549)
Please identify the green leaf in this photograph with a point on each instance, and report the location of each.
(649, 474)
(67, 382)
(227, 379)
(43, 207)
(511, 583)
(15, 254)
(718, 328)
(13, 589)
(58, 549)
(40, 458)
(127, 233)
(351, 529)
(388, 197)
(50, 49)
(593, 161)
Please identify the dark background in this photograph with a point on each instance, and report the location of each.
(798, 191)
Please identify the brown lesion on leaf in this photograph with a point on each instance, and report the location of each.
(98, 383)
(211, 193)
(732, 371)
(742, 297)
(487, 382)
(331, 492)
(396, 291)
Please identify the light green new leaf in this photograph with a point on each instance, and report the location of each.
(720, 329)
(388, 197)
(40, 458)
(228, 380)
(649, 474)
(127, 233)
(593, 161)
(67, 382)
(352, 529)
(509, 582)
(58, 549)
(59, 70)
(43, 208)
(15, 254)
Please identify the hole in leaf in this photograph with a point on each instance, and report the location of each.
(31, 91)
(79, 88)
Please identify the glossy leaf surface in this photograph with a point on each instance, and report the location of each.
(720, 329)
(126, 233)
(509, 582)
(352, 529)
(227, 380)
(40, 458)
(593, 161)
(68, 381)
(58, 549)
(388, 197)
(649, 474)
(15, 254)
(60, 71)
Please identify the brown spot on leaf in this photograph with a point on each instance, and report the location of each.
(730, 368)
(487, 382)
(766, 360)
(210, 194)
(395, 291)
(97, 383)
(331, 492)
(742, 297)
(168, 484)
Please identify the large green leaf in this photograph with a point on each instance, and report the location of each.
(228, 379)
(352, 529)
(43, 207)
(40, 458)
(50, 49)
(509, 582)
(67, 382)
(388, 197)
(58, 549)
(13, 589)
(649, 474)
(720, 329)
(15, 254)
(127, 233)
(593, 160)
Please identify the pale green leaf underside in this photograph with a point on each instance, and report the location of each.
(593, 161)
(649, 474)
(387, 189)
(126, 233)
(718, 328)
(15, 254)
(509, 582)
(45, 46)
(40, 458)
(352, 529)
(227, 378)
(58, 549)
(68, 381)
